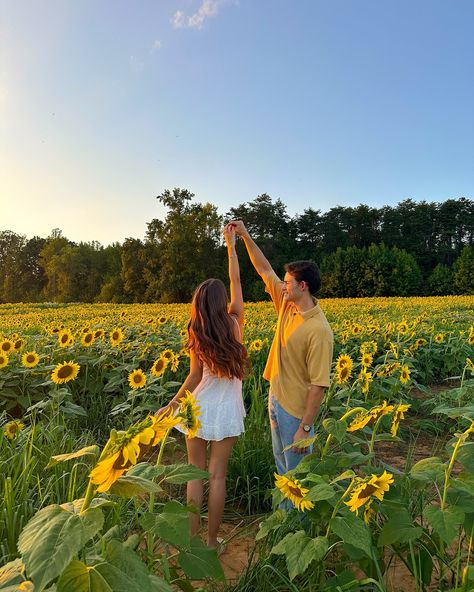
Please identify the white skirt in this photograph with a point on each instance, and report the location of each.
(221, 405)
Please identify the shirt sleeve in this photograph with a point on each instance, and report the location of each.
(273, 287)
(319, 360)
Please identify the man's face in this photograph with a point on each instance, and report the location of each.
(292, 289)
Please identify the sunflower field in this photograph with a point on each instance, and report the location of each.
(92, 483)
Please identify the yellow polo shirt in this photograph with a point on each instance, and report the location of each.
(301, 352)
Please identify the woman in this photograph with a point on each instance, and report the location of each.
(218, 361)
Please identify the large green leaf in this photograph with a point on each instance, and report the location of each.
(87, 451)
(428, 469)
(466, 456)
(445, 523)
(399, 528)
(199, 562)
(171, 525)
(130, 486)
(121, 571)
(337, 428)
(320, 491)
(179, 473)
(300, 550)
(353, 531)
(271, 523)
(53, 537)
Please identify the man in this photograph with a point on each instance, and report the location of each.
(300, 357)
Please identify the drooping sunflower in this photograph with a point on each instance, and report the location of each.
(3, 360)
(470, 365)
(402, 327)
(137, 379)
(189, 411)
(398, 415)
(380, 410)
(359, 422)
(159, 367)
(365, 379)
(18, 344)
(292, 490)
(371, 487)
(116, 336)
(6, 346)
(369, 512)
(470, 338)
(65, 338)
(99, 333)
(65, 372)
(13, 428)
(174, 364)
(87, 339)
(30, 359)
(404, 374)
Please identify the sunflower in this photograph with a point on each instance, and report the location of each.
(470, 365)
(256, 345)
(19, 343)
(3, 360)
(189, 412)
(360, 421)
(365, 379)
(174, 363)
(404, 374)
(343, 375)
(344, 361)
(159, 367)
(368, 347)
(161, 320)
(99, 333)
(380, 410)
(87, 339)
(292, 490)
(30, 359)
(439, 337)
(368, 417)
(369, 513)
(470, 339)
(116, 336)
(420, 343)
(6, 346)
(402, 327)
(368, 488)
(367, 359)
(65, 372)
(137, 379)
(168, 354)
(65, 338)
(398, 415)
(12, 429)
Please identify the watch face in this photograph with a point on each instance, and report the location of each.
(307, 428)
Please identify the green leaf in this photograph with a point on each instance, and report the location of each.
(78, 577)
(466, 456)
(321, 491)
(53, 537)
(464, 482)
(353, 531)
(172, 525)
(337, 428)
(87, 451)
(423, 562)
(271, 523)
(300, 550)
(24, 586)
(181, 473)
(345, 475)
(131, 486)
(454, 412)
(199, 562)
(445, 523)
(428, 469)
(399, 528)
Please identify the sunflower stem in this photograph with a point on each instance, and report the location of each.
(88, 498)
(372, 439)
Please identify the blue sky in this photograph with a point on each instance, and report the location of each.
(103, 105)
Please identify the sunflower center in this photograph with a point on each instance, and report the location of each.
(30, 359)
(295, 491)
(65, 371)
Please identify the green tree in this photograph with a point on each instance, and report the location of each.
(463, 269)
(11, 246)
(440, 282)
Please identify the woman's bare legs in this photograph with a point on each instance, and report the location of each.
(197, 448)
(220, 453)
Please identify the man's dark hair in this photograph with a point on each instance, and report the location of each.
(305, 271)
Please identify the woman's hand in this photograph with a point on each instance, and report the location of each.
(229, 235)
(170, 408)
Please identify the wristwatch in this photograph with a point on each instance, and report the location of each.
(306, 427)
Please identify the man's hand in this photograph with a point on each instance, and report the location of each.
(300, 434)
(239, 227)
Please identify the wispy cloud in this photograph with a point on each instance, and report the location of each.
(208, 9)
(157, 44)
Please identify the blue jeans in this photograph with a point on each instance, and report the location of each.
(283, 428)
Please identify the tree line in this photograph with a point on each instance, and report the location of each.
(413, 248)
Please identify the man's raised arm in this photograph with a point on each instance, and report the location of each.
(258, 259)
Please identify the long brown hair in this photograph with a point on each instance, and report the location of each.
(211, 332)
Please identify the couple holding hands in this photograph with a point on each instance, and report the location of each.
(297, 369)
